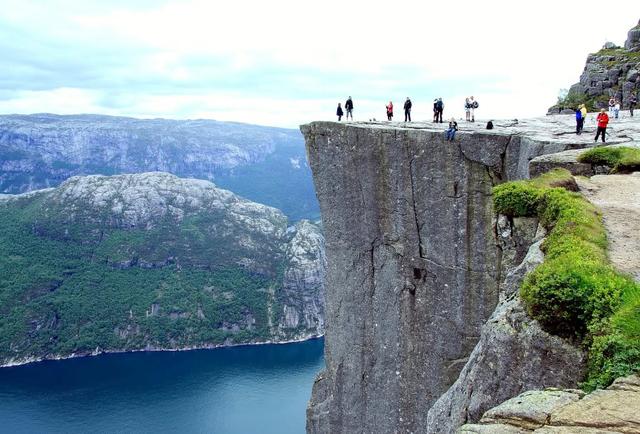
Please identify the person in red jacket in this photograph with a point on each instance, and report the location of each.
(603, 120)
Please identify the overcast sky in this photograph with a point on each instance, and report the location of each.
(288, 62)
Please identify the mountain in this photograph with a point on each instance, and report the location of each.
(611, 72)
(151, 261)
(264, 164)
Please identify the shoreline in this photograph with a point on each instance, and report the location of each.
(94, 353)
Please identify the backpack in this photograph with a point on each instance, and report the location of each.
(475, 105)
(490, 125)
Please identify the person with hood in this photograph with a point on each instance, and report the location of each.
(451, 131)
(633, 100)
(603, 120)
(407, 110)
(339, 112)
(349, 107)
(390, 111)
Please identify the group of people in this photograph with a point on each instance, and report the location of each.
(603, 118)
(438, 109)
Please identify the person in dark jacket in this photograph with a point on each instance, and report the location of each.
(349, 107)
(440, 109)
(339, 112)
(603, 120)
(435, 110)
(407, 110)
(451, 131)
(633, 100)
(579, 121)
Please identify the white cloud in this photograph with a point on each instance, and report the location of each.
(287, 62)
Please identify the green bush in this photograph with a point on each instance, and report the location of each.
(621, 159)
(576, 293)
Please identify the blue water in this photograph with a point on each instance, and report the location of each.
(257, 389)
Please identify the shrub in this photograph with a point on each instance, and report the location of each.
(621, 159)
(576, 293)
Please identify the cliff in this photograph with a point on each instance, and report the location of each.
(266, 165)
(151, 261)
(611, 72)
(416, 268)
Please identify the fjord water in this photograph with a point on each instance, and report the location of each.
(252, 389)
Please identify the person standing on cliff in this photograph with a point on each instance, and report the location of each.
(474, 106)
(390, 111)
(467, 109)
(583, 110)
(339, 112)
(435, 110)
(349, 107)
(612, 104)
(440, 110)
(603, 120)
(407, 110)
(633, 100)
(616, 109)
(579, 121)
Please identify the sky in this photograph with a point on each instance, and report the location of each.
(289, 62)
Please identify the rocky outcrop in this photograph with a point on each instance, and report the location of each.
(555, 411)
(414, 267)
(39, 151)
(169, 263)
(514, 354)
(611, 72)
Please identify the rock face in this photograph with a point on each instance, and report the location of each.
(611, 72)
(414, 267)
(266, 165)
(514, 354)
(168, 263)
(554, 411)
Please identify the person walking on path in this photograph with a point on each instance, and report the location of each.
(467, 109)
(349, 107)
(407, 110)
(451, 131)
(390, 111)
(339, 112)
(579, 121)
(440, 108)
(612, 104)
(633, 100)
(616, 109)
(603, 120)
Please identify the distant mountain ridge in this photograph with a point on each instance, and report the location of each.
(264, 164)
(151, 261)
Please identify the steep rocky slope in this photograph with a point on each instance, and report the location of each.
(414, 265)
(151, 261)
(264, 164)
(611, 72)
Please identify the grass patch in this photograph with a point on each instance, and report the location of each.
(621, 159)
(576, 293)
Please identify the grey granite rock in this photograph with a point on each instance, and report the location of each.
(413, 264)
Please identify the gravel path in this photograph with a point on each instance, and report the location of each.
(618, 196)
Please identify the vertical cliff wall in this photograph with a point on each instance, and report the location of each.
(413, 262)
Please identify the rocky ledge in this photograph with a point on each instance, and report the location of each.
(556, 411)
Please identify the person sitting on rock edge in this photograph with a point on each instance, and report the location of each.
(339, 112)
(603, 120)
(451, 131)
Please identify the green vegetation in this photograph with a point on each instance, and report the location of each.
(572, 100)
(71, 288)
(620, 159)
(576, 293)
